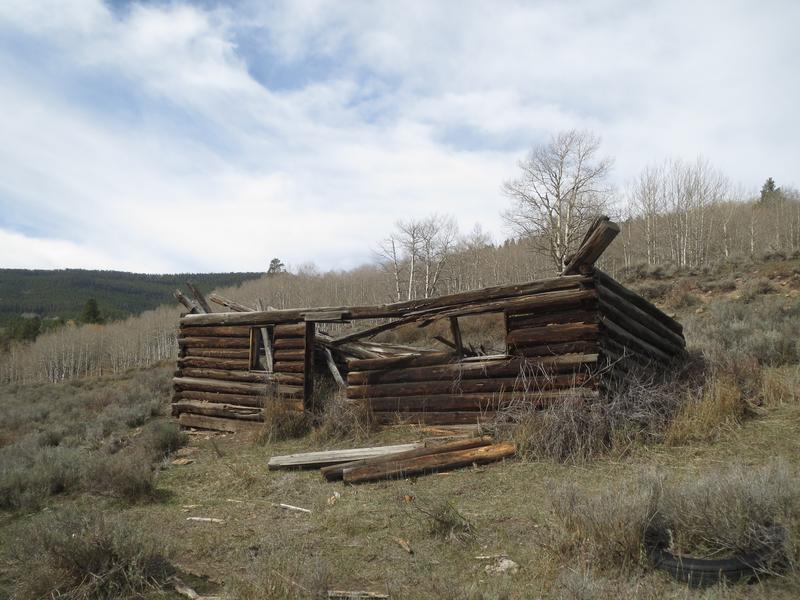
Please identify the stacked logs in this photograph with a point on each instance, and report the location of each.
(216, 386)
(440, 389)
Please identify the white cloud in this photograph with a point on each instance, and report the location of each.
(142, 138)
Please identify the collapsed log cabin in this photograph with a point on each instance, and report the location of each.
(578, 334)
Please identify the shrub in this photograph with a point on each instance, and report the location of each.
(70, 554)
(445, 520)
(163, 437)
(343, 419)
(680, 297)
(722, 285)
(126, 475)
(29, 474)
(731, 510)
(755, 288)
(653, 291)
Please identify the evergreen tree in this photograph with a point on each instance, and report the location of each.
(769, 191)
(91, 314)
(275, 267)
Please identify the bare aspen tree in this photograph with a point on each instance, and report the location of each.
(437, 239)
(561, 190)
(389, 254)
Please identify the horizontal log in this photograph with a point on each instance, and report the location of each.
(332, 457)
(219, 424)
(203, 362)
(410, 360)
(508, 367)
(576, 315)
(429, 463)
(473, 402)
(225, 375)
(213, 385)
(556, 349)
(552, 334)
(211, 331)
(287, 378)
(466, 386)
(433, 418)
(218, 353)
(214, 342)
(222, 398)
(211, 409)
(387, 310)
(289, 343)
(290, 330)
(289, 367)
(611, 284)
(290, 355)
(335, 472)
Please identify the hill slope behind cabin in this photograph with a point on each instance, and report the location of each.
(63, 293)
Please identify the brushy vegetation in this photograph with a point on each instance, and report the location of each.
(99, 436)
(445, 521)
(84, 555)
(725, 512)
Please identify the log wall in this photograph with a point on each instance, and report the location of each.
(220, 384)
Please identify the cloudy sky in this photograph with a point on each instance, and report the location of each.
(212, 136)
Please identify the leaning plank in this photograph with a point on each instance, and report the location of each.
(430, 463)
(337, 376)
(330, 457)
(205, 422)
(334, 472)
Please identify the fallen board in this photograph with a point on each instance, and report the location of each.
(332, 457)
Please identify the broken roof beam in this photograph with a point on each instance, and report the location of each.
(190, 305)
(232, 304)
(598, 238)
(398, 309)
(199, 298)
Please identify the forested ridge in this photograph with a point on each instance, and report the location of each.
(63, 293)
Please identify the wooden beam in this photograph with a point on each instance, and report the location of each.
(457, 341)
(266, 340)
(600, 235)
(232, 304)
(198, 296)
(189, 304)
(218, 424)
(337, 376)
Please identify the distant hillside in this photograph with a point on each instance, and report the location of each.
(63, 293)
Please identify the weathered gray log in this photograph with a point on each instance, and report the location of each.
(466, 386)
(189, 304)
(290, 355)
(598, 238)
(232, 304)
(577, 315)
(226, 411)
(487, 401)
(289, 367)
(289, 343)
(337, 376)
(290, 330)
(219, 353)
(212, 331)
(225, 375)
(332, 457)
(214, 385)
(539, 350)
(609, 298)
(203, 362)
(218, 424)
(603, 279)
(627, 339)
(665, 344)
(220, 398)
(505, 367)
(199, 298)
(553, 334)
(214, 342)
(409, 360)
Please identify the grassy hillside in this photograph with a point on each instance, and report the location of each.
(63, 293)
(712, 454)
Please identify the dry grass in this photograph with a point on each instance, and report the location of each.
(281, 423)
(343, 420)
(720, 406)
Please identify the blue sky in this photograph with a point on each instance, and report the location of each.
(175, 136)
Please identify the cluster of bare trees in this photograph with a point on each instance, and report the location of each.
(687, 214)
(91, 350)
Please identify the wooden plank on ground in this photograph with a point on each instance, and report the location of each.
(331, 457)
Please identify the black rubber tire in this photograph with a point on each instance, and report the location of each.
(701, 572)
